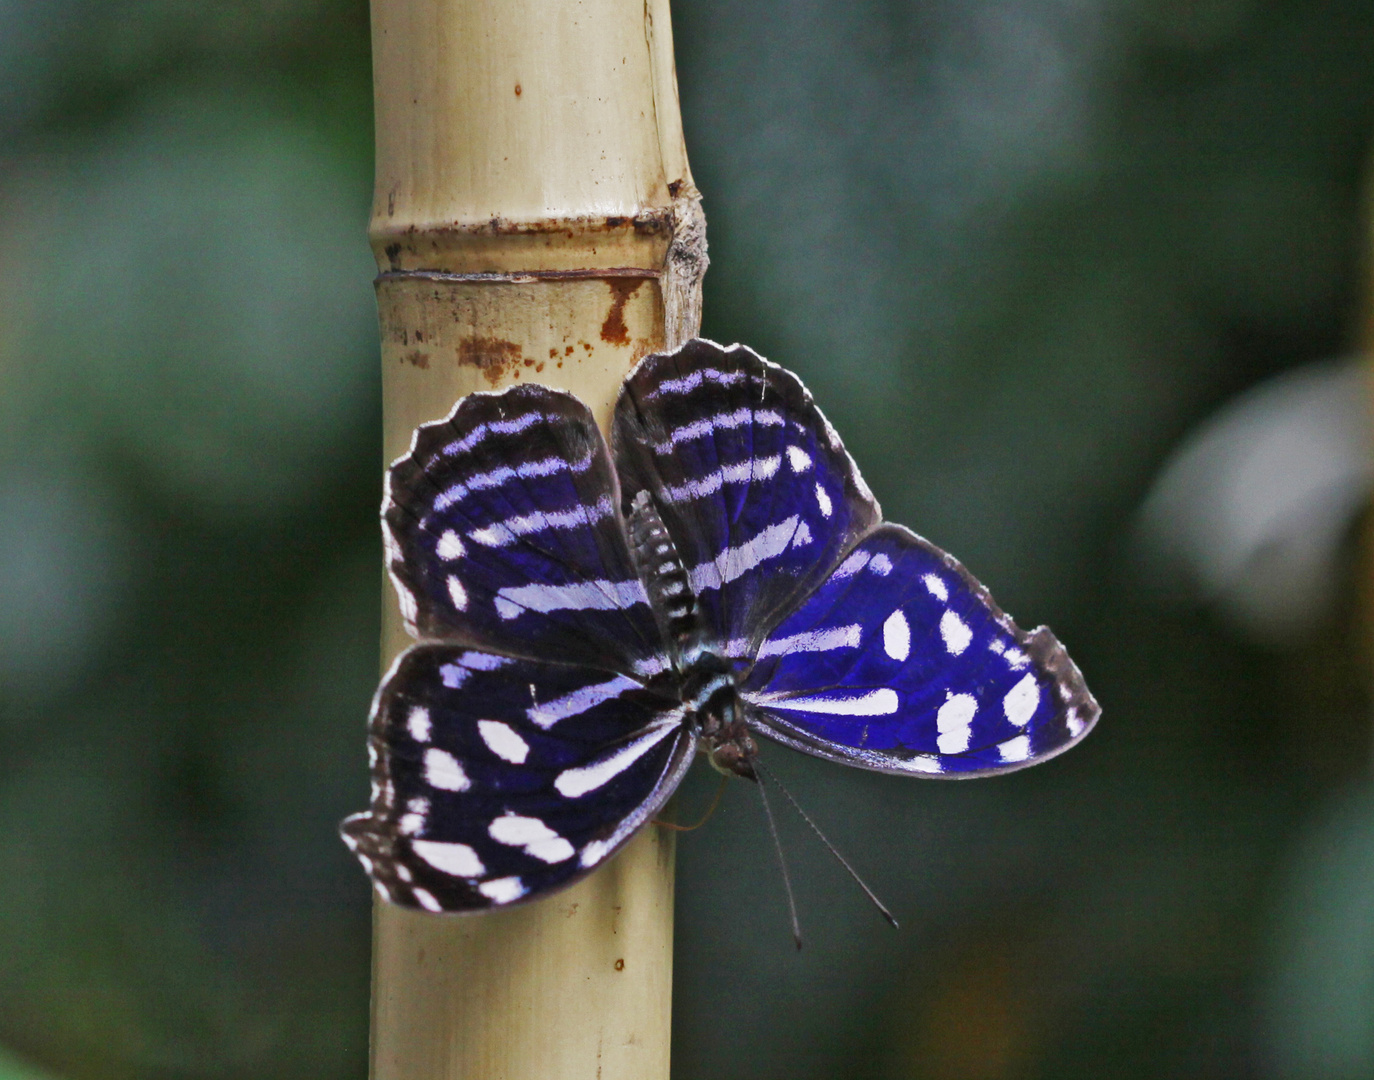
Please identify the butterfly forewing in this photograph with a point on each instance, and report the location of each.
(750, 480)
(496, 778)
(504, 531)
(901, 662)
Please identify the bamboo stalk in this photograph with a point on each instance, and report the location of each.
(534, 219)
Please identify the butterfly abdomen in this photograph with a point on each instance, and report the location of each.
(660, 568)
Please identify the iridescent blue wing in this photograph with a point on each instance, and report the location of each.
(504, 531)
(902, 663)
(496, 779)
(751, 481)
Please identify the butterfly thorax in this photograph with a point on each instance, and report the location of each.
(707, 682)
(710, 688)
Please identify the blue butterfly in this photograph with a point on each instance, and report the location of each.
(588, 617)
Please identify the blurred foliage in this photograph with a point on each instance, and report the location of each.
(1017, 249)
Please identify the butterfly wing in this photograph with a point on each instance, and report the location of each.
(496, 779)
(504, 531)
(751, 481)
(902, 663)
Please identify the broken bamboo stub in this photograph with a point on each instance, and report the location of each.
(534, 220)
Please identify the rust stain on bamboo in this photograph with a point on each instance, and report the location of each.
(409, 246)
(649, 221)
(494, 357)
(614, 330)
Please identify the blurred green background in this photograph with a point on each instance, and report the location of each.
(1019, 250)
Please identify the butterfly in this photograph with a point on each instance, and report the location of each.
(589, 616)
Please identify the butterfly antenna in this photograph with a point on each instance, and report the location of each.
(773, 777)
(786, 878)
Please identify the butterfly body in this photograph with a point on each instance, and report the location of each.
(702, 679)
(587, 616)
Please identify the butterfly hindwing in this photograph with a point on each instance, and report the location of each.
(504, 531)
(901, 662)
(750, 480)
(496, 778)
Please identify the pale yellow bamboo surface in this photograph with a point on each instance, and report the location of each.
(531, 189)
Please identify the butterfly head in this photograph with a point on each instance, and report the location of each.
(712, 690)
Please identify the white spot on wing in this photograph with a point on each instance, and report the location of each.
(499, 427)
(581, 595)
(456, 859)
(880, 564)
(936, 587)
(572, 783)
(1021, 701)
(736, 561)
(481, 661)
(457, 593)
(956, 633)
(443, 771)
(503, 741)
(417, 723)
(799, 459)
(454, 675)
(851, 565)
(688, 383)
(504, 533)
(450, 546)
(594, 852)
(546, 714)
(426, 900)
(719, 422)
(413, 821)
(1017, 749)
(953, 723)
(1075, 723)
(526, 470)
(837, 637)
(897, 636)
(502, 890)
(531, 834)
(742, 472)
(823, 501)
(882, 702)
